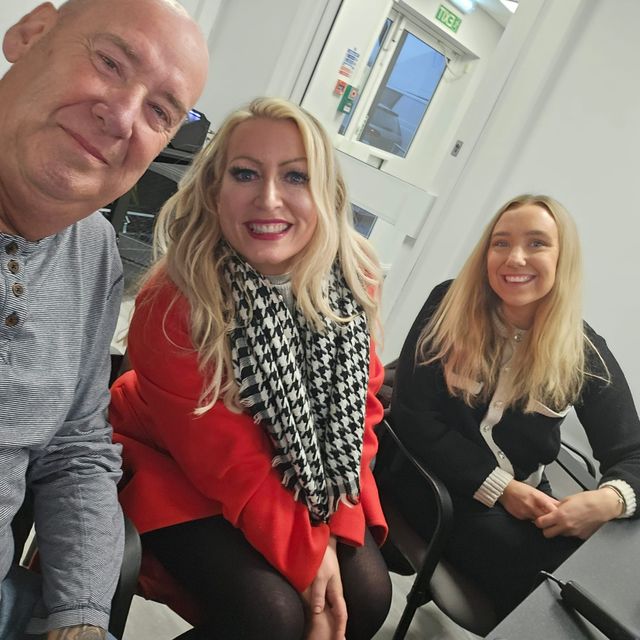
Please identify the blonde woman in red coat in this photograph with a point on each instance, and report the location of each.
(247, 419)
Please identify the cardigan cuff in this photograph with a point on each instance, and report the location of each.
(628, 494)
(493, 487)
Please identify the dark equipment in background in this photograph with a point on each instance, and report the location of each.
(133, 214)
(192, 134)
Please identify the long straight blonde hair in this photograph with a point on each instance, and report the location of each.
(191, 250)
(462, 334)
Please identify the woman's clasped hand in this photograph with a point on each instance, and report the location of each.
(325, 599)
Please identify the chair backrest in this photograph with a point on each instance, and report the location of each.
(128, 580)
(21, 527)
(436, 580)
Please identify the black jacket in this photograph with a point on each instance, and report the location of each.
(444, 432)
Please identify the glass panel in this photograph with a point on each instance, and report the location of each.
(363, 220)
(404, 95)
(365, 76)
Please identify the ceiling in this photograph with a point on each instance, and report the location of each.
(496, 10)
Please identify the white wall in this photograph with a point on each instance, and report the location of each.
(257, 48)
(10, 12)
(566, 123)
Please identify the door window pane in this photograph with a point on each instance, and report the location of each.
(404, 95)
(370, 62)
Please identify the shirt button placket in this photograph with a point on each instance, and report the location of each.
(16, 309)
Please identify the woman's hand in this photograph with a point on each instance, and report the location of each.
(525, 502)
(323, 626)
(581, 514)
(327, 608)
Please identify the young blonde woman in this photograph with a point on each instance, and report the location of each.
(247, 419)
(493, 363)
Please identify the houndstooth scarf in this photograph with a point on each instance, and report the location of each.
(308, 389)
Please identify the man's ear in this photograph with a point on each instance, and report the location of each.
(21, 37)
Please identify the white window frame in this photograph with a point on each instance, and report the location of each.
(401, 21)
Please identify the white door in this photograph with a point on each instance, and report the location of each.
(404, 71)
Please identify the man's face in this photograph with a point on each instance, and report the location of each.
(90, 103)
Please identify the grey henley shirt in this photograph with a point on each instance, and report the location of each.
(59, 302)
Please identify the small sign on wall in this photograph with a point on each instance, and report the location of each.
(448, 18)
(346, 102)
(349, 63)
(340, 88)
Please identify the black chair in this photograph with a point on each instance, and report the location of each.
(127, 583)
(436, 579)
(129, 570)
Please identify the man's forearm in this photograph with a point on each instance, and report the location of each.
(81, 632)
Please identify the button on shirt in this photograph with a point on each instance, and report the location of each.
(59, 302)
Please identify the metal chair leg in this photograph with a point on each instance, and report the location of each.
(415, 599)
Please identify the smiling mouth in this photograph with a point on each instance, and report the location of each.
(268, 228)
(518, 279)
(90, 149)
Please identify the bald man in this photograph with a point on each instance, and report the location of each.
(96, 89)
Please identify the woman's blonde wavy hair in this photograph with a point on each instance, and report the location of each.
(462, 334)
(190, 249)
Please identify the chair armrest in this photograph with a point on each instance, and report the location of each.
(128, 581)
(444, 506)
(21, 527)
(386, 390)
(587, 461)
(581, 471)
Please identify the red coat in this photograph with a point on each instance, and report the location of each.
(180, 467)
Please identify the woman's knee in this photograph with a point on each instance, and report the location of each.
(367, 589)
(368, 609)
(280, 615)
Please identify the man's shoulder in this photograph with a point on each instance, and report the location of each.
(96, 226)
(91, 242)
(93, 239)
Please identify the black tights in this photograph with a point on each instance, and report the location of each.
(246, 598)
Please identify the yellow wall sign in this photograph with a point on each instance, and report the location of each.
(448, 18)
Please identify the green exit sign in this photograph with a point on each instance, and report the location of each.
(448, 18)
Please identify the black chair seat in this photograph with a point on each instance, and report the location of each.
(450, 590)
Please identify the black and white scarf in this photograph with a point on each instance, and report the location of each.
(307, 388)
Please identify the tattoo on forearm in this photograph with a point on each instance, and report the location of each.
(81, 632)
